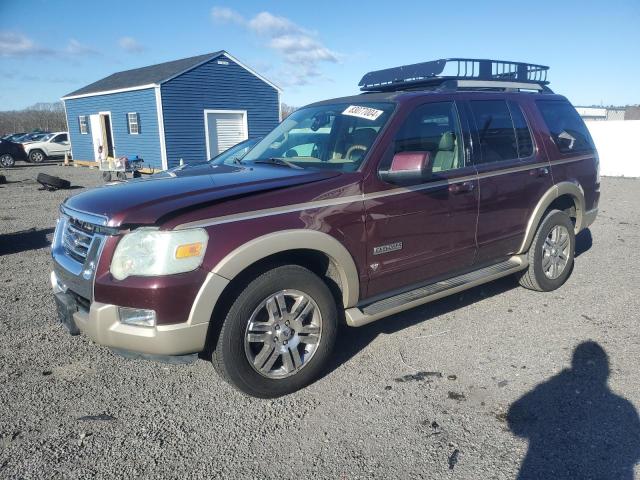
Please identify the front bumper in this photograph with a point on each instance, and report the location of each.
(101, 323)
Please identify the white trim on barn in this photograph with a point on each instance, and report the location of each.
(206, 125)
(163, 145)
(107, 92)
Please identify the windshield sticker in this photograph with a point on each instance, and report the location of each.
(362, 112)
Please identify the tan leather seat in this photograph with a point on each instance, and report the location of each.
(446, 157)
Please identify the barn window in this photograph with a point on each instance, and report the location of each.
(134, 124)
(82, 120)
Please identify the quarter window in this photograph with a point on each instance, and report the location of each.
(433, 128)
(495, 130)
(82, 120)
(567, 129)
(134, 124)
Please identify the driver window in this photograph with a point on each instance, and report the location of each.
(433, 128)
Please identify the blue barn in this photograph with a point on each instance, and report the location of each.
(189, 109)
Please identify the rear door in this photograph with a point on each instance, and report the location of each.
(424, 231)
(513, 173)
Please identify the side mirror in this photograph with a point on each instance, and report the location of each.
(408, 167)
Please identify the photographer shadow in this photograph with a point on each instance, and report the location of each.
(576, 426)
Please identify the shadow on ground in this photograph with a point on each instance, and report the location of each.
(584, 242)
(25, 240)
(352, 340)
(576, 427)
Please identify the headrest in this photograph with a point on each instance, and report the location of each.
(447, 141)
(363, 136)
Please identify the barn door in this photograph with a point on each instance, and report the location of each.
(96, 133)
(224, 129)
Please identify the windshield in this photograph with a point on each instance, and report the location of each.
(235, 153)
(336, 136)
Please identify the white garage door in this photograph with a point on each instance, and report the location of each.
(224, 129)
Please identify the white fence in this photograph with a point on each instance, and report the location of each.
(618, 144)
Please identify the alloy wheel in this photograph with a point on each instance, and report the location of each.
(555, 252)
(283, 334)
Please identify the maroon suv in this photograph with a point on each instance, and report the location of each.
(439, 177)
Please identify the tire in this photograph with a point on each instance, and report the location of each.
(234, 350)
(37, 156)
(541, 274)
(106, 176)
(3, 179)
(121, 176)
(51, 182)
(6, 160)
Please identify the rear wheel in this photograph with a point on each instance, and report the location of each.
(278, 334)
(551, 253)
(37, 156)
(7, 160)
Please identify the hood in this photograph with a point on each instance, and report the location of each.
(146, 201)
(187, 170)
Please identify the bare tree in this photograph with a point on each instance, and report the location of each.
(286, 110)
(47, 117)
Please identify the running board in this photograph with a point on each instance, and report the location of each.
(357, 317)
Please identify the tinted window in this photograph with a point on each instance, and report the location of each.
(495, 130)
(433, 128)
(523, 135)
(567, 129)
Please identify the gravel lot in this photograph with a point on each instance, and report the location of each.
(426, 394)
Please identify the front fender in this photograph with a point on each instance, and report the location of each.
(277, 242)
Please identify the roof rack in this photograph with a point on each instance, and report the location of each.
(455, 73)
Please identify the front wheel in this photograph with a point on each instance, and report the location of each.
(551, 253)
(37, 156)
(279, 333)
(7, 160)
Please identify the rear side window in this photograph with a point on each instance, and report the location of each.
(567, 129)
(523, 135)
(495, 130)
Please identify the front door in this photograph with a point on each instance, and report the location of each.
(224, 129)
(422, 232)
(513, 176)
(58, 145)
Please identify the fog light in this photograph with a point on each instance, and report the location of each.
(137, 316)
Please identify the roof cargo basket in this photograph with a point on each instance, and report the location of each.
(458, 73)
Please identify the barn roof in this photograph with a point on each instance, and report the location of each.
(151, 75)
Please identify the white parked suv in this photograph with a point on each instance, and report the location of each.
(52, 145)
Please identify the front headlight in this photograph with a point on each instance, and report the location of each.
(149, 252)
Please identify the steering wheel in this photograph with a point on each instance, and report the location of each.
(352, 149)
(285, 138)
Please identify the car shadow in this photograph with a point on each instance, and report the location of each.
(575, 425)
(351, 340)
(25, 240)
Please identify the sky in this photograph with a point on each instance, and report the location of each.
(317, 49)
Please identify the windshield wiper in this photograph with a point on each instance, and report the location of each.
(279, 162)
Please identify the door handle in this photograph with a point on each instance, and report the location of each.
(539, 172)
(463, 187)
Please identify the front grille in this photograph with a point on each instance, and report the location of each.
(76, 240)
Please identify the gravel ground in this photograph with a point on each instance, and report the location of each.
(463, 388)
